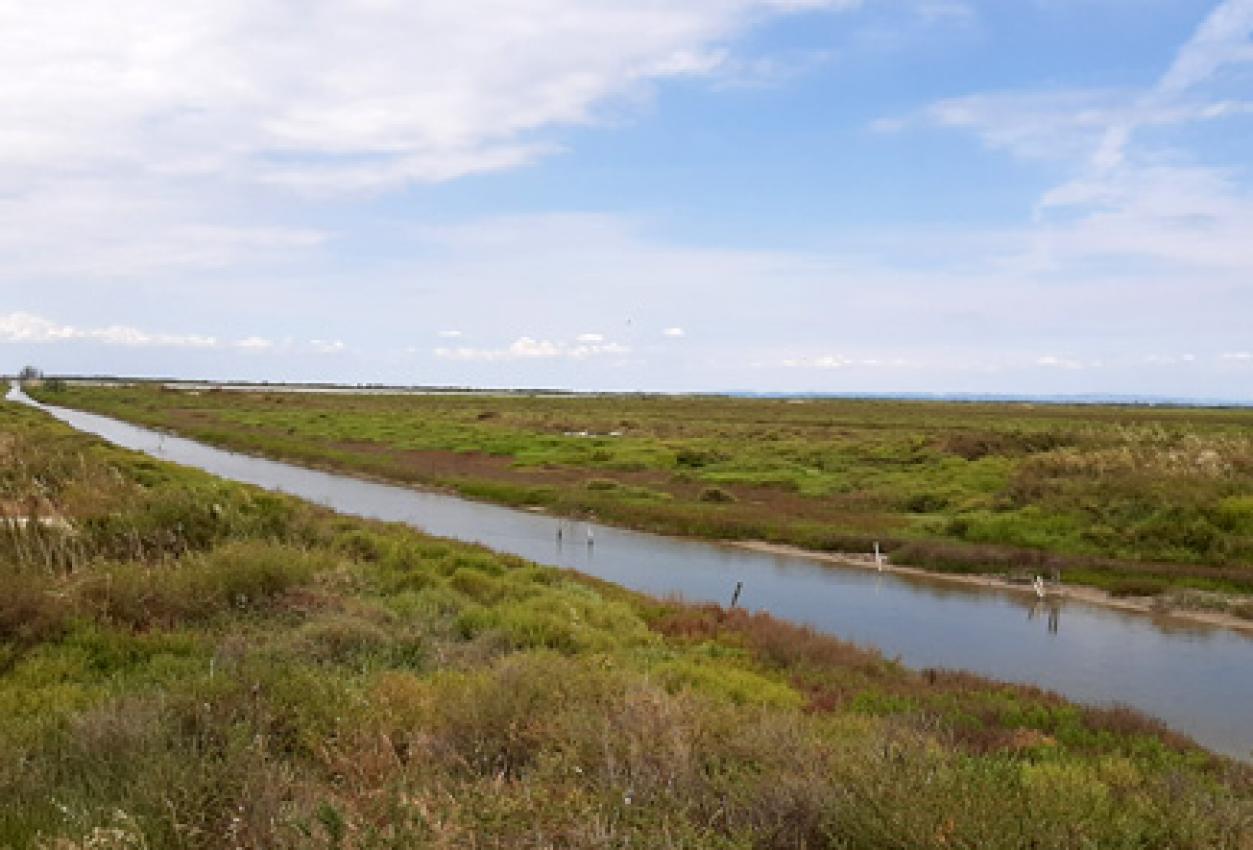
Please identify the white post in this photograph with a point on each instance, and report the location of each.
(878, 557)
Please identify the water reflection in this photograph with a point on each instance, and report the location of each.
(1052, 608)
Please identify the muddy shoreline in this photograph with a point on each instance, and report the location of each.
(1089, 595)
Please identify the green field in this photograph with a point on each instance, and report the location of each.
(191, 663)
(1134, 500)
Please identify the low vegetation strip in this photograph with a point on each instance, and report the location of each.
(187, 662)
(1131, 500)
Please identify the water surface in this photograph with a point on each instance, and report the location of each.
(1199, 679)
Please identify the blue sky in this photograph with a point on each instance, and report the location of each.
(1019, 196)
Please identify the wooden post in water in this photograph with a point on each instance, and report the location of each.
(878, 556)
(735, 597)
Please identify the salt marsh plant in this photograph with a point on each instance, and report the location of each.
(1136, 499)
(220, 668)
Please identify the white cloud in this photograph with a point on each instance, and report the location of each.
(1055, 362)
(1086, 125)
(28, 328)
(1225, 38)
(152, 135)
(529, 348)
(1238, 356)
(591, 339)
(1169, 359)
(345, 94)
(828, 361)
(1126, 197)
(1192, 215)
(1099, 124)
(322, 346)
(597, 271)
(837, 361)
(164, 146)
(450, 334)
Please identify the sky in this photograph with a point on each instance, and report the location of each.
(955, 196)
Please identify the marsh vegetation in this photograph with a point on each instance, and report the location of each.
(1133, 500)
(186, 662)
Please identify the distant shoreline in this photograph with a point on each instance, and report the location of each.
(1061, 400)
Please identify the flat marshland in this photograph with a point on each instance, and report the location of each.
(1136, 501)
(187, 662)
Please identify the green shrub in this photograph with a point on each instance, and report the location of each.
(741, 687)
(237, 575)
(1236, 514)
(477, 585)
(341, 638)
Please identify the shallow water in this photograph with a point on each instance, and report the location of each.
(1199, 679)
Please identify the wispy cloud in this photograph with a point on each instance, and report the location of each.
(359, 96)
(529, 348)
(1054, 362)
(1096, 125)
(839, 361)
(949, 11)
(1169, 359)
(1125, 197)
(26, 328)
(1225, 38)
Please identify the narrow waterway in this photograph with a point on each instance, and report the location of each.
(1199, 679)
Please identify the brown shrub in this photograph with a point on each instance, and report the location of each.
(30, 612)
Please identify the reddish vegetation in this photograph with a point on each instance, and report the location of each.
(833, 673)
(777, 642)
